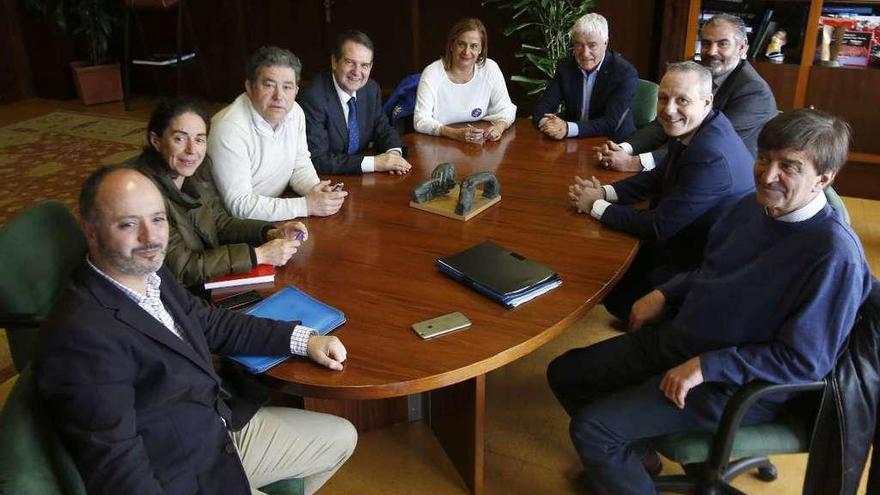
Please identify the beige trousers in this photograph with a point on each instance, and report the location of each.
(281, 443)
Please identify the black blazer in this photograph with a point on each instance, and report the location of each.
(746, 100)
(327, 130)
(139, 408)
(610, 102)
(688, 195)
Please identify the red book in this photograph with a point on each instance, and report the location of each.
(259, 275)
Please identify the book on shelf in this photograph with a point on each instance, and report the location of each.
(259, 275)
(503, 276)
(163, 59)
(290, 304)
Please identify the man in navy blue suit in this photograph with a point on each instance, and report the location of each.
(739, 91)
(125, 366)
(596, 86)
(709, 168)
(343, 111)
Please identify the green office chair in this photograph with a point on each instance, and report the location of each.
(34, 460)
(38, 250)
(644, 107)
(836, 202)
(32, 457)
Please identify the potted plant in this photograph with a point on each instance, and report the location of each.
(96, 80)
(544, 28)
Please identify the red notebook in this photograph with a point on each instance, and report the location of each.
(259, 275)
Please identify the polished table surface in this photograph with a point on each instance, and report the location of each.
(375, 261)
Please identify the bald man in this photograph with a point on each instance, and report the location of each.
(125, 364)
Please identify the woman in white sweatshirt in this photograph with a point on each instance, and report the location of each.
(464, 86)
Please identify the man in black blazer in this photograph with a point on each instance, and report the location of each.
(124, 363)
(334, 101)
(740, 92)
(596, 85)
(708, 169)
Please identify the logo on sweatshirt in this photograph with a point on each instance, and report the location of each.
(476, 112)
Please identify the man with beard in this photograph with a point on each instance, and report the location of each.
(708, 169)
(739, 91)
(124, 364)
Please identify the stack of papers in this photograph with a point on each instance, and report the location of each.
(503, 276)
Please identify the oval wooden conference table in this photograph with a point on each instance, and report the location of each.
(375, 261)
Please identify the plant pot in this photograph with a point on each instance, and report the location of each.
(97, 83)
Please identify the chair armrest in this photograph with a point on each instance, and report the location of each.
(736, 409)
(26, 320)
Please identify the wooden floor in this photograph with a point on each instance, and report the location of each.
(528, 450)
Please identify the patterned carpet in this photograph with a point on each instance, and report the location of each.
(49, 156)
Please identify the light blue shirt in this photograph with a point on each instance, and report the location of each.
(589, 82)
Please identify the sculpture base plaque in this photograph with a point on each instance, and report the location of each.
(445, 205)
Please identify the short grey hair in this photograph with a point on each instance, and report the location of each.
(738, 25)
(271, 56)
(824, 136)
(703, 74)
(591, 24)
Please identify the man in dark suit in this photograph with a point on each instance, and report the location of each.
(344, 114)
(708, 168)
(740, 92)
(124, 363)
(596, 85)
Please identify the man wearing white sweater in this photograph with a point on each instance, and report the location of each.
(258, 146)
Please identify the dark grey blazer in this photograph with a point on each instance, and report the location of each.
(744, 98)
(327, 130)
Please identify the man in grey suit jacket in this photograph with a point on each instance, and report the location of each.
(343, 111)
(740, 93)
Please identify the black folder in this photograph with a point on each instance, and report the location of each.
(504, 276)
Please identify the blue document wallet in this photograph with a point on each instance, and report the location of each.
(290, 304)
(503, 276)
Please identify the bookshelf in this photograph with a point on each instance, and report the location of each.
(851, 93)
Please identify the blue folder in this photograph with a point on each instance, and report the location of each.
(290, 304)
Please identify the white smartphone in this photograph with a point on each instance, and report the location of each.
(441, 325)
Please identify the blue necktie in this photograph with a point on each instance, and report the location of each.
(353, 137)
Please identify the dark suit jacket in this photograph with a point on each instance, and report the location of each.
(610, 101)
(687, 194)
(327, 130)
(746, 100)
(139, 408)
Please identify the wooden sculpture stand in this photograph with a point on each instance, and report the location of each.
(445, 205)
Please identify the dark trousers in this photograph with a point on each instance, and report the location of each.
(611, 391)
(650, 268)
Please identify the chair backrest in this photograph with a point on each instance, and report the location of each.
(38, 250)
(836, 202)
(32, 457)
(644, 107)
